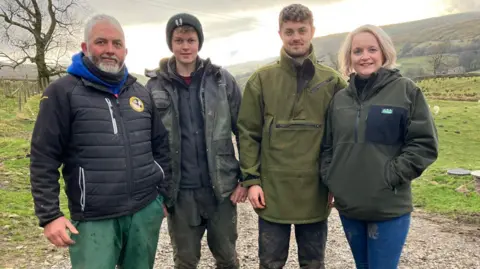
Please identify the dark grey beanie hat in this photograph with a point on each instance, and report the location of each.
(180, 20)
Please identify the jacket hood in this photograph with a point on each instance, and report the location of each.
(376, 81)
(166, 68)
(78, 68)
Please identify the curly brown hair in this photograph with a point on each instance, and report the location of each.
(296, 13)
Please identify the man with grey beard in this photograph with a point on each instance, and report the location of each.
(102, 127)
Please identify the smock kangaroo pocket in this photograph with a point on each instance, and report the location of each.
(295, 142)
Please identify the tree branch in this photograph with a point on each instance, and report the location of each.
(40, 31)
(14, 63)
(53, 21)
(10, 21)
(24, 7)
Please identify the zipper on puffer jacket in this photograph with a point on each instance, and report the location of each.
(161, 169)
(81, 184)
(114, 122)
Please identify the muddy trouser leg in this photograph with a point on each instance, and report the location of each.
(186, 230)
(356, 233)
(97, 245)
(222, 235)
(129, 241)
(311, 240)
(379, 244)
(141, 232)
(273, 244)
(385, 242)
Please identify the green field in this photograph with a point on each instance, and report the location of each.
(424, 63)
(457, 125)
(458, 89)
(21, 240)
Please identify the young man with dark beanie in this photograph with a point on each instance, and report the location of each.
(103, 128)
(199, 104)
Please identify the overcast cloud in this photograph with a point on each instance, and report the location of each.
(455, 6)
(158, 11)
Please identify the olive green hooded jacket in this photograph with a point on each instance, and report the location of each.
(280, 124)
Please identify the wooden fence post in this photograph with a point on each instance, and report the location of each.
(19, 100)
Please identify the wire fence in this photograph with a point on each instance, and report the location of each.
(20, 90)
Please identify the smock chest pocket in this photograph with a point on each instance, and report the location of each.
(386, 124)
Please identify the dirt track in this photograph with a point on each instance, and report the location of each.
(433, 242)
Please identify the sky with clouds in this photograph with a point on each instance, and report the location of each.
(244, 30)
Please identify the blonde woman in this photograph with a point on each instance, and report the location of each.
(379, 136)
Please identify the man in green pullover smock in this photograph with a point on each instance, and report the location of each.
(280, 127)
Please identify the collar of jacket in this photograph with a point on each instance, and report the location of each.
(166, 68)
(376, 81)
(292, 66)
(129, 82)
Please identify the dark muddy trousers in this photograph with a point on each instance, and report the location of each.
(197, 211)
(376, 245)
(128, 241)
(274, 239)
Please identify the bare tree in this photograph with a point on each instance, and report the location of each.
(437, 57)
(39, 32)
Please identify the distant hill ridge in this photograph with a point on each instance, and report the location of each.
(412, 39)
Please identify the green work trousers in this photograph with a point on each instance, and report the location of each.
(128, 241)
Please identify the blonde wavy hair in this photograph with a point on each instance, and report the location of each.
(384, 41)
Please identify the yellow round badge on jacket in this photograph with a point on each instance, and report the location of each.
(136, 104)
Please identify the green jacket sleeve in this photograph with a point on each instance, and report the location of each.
(341, 84)
(326, 150)
(250, 125)
(421, 143)
(234, 101)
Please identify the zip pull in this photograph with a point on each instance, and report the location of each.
(317, 87)
(112, 115)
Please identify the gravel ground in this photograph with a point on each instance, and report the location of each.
(433, 242)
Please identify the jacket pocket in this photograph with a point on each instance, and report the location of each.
(294, 144)
(227, 166)
(161, 99)
(386, 125)
(319, 85)
(112, 116)
(81, 184)
(392, 180)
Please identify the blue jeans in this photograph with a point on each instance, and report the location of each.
(376, 245)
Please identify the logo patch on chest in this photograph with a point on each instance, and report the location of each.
(136, 104)
(387, 111)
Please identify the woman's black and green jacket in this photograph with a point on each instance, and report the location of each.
(377, 140)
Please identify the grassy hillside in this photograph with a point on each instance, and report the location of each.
(464, 26)
(424, 63)
(20, 236)
(464, 89)
(457, 125)
(414, 41)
